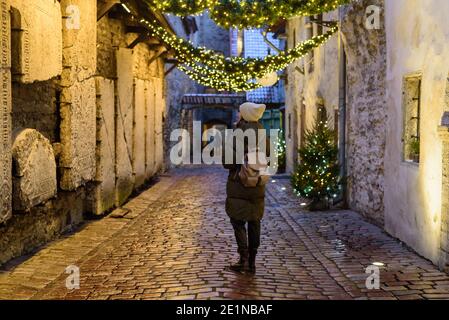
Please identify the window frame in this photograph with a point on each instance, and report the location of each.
(417, 76)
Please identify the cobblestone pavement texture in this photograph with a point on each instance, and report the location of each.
(174, 240)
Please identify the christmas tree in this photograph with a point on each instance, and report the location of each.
(317, 176)
(281, 152)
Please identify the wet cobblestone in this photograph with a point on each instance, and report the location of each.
(176, 240)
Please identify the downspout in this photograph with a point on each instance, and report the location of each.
(270, 44)
(342, 113)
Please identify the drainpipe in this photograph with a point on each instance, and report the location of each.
(342, 113)
(269, 43)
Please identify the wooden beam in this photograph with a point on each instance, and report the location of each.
(155, 46)
(157, 55)
(135, 29)
(140, 38)
(171, 69)
(153, 41)
(174, 61)
(105, 8)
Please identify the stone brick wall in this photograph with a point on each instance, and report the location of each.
(444, 237)
(70, 111)
(366, 111)
(5, 114)
(137, 125)
(177, 83)
(443, 259)
(309, 87)
(36, 106)
(414, 192)
(77, 160)
(26, 231)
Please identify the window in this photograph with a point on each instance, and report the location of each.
(412, 112)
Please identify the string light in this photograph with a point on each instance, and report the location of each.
(246, 14)
(215, 70)
(317, 175)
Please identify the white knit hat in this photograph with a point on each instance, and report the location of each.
(252, 112)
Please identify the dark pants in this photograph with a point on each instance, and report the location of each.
(250, 242)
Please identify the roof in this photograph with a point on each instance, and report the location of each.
(206, 99)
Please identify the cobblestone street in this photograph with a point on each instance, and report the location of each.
(174, 240)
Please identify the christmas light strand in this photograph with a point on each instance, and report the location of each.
(231, 73)
(217, 71)
(245, 14)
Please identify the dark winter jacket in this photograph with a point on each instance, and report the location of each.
(242, 203)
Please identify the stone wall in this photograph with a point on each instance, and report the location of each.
(5, 115)
(104, 190)
(139, 105)
(366, 110)
(408, 198)
(177, 83)
(444, 135)
(415, 193)
(36, 106)
(70, 142)
(309, 87)
(314, 81)
(36, 40)
(78, 101)
(34, 169)
(26, 231)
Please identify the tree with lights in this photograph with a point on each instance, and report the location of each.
(281, 152)
(317, 176)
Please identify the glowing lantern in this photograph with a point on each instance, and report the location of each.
(269, 80)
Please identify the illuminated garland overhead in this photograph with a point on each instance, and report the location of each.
(182, 8)
(242, 81)
(247, 68)
(219, 81)
(246, 13)
(259, 13)
(215, 70)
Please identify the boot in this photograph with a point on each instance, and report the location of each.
(252, 262)
(242, 264)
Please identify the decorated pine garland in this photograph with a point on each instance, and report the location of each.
(246, 13)
(232, 73)
(259, 13)
(215, 70)
(182, 8)
(221, 82)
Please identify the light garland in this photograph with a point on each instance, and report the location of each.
(245, 14)
(224, 73)
(221, 82)
(182, 7)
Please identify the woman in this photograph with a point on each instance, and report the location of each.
(245, 205)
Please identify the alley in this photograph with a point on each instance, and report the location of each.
(174, 240)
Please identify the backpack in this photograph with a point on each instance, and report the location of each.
(253, 171)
